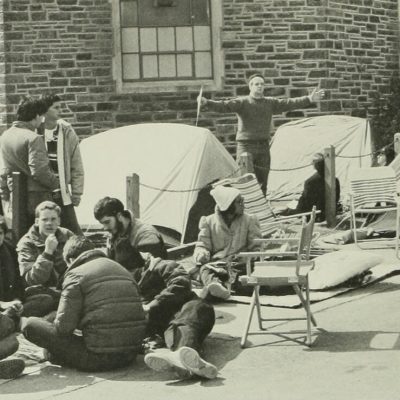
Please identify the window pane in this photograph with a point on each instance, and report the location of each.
(202, 38)
(130, 43)
(203, 64)
(178, 14)
(184, 65)
(148, 39)
(184, 39)
(201, 12)
(150, 67)
(167, 66)
(166, 39)
(129, 13)
(130, 66)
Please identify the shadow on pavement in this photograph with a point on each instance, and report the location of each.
(50, 378)
(356, 341)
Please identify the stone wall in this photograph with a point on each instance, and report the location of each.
(66, 46)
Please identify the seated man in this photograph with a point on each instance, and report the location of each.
(9, 319)
(100, 298)
(40, 253)
(222, 235)
(127, 232)
(314, 191)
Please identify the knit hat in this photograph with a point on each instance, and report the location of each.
(224, 196)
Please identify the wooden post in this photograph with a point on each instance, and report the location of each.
(19, 198)
(330, 187)
(245, 162)
(397, 143)
(132, 194)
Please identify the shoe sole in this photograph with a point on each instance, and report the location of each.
(11, 369)
(157, 362)
(160, 364)
(195, 364)
(219, 291)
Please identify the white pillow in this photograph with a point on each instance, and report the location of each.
(334, 268)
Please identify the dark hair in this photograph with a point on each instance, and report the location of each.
(50, 99)
(388, 151)
(29, 108)
(75, 246)
(255, 76)
(319, 163)
(107, 207)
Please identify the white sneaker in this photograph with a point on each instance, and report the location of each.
(166, 360)
(191, 360)
(216, 289)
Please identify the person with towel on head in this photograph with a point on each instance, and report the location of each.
(223, 235)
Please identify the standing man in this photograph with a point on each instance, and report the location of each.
(254, 114)
(23, 150)
(62, 144)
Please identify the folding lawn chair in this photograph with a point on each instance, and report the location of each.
(291, 272)
(373, 191)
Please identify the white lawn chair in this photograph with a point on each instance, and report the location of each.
(373, 191)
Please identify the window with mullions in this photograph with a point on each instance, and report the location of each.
(166, 40)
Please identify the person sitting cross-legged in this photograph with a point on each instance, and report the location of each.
(40, 255)
(99, 298)
(222, 235)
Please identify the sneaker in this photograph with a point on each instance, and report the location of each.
(164, 362)
(10, 369)
(218, 290)
(191, 360)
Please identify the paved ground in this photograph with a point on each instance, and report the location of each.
(355, 355)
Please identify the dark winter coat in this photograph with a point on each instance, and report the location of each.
(101, 298)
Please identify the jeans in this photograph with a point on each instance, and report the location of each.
(8, 341)
(261, 159)
(188, 327)
(71, 350)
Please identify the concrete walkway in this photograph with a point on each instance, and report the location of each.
(355, 355)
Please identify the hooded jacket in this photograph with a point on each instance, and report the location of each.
(101, 298)
(36, 266)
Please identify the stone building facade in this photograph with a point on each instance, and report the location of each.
(74, 47)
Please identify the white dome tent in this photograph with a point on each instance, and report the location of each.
(173, 157)
(296, 142)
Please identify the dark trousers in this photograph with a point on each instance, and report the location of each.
(71, 350)
(8, 341)
(69, 220)
(188, 327)
(261, 159)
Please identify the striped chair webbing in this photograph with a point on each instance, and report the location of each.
(370, 191)
(255, 203)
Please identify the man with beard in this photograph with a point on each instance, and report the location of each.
(177, 318)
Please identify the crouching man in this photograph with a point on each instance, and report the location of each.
(100, 298)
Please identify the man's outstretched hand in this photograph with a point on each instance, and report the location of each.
(317, 95)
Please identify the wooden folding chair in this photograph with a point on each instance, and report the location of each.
(373, 191)
(292, 272)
